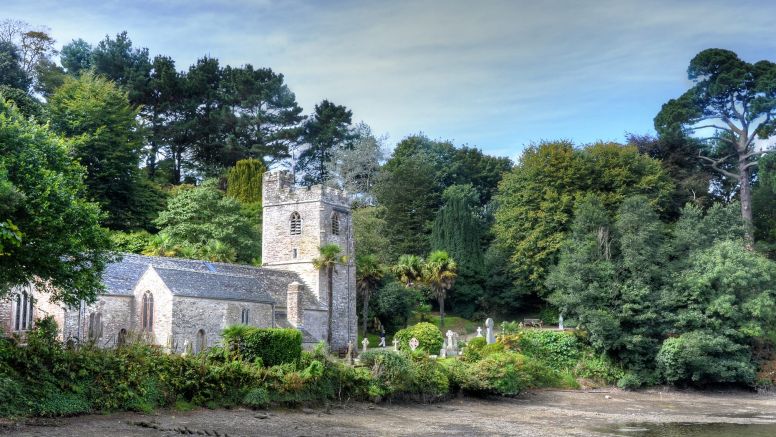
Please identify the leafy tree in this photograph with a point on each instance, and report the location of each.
(26, 104)
(369, 273)
(733, 100)
(197, 217)
(106, 140)
(327, 261)
(243, 181)
(161, 104)
(409, 194)
(265, 117)
(354, 167)
(368, 231)
(35, 48)
(62, 243)
(76, 56)
(457, 231)
(764, 206)
(439, 273)
(719, 305)
(536, 199)
(118, 61)
(324, 131)
(11, 71)
(394, 305)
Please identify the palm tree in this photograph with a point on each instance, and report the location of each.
(369, 273)
(409, 269)
(439, 273)
(329, 257)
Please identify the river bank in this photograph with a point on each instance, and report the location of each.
(537, 413)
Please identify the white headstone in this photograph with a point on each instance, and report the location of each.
(479, 331)
(414, 343)
(490, 336)
(395, 345)
(560, 322)
(450, 334)
(365, 342)
(443, 353)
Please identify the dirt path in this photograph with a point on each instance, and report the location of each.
(544, 413)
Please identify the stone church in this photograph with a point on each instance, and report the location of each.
(177, 302)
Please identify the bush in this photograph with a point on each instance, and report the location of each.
(497, 374)
(270, 345)
(429, 337)
(256, 398)
(700, 358)
(599, 368)
(559, 349)
(130, 242)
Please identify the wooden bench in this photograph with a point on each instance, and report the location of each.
(533, 323)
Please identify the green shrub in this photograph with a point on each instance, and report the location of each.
(599, 368)
(130, 242)
(429, 337)
(473, 349)
(271, 345)
(256, 398)
(391, 372)
(700, 358)
(497, 374)
(559, 349)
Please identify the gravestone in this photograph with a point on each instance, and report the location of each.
(350, 352)
(414, 343)
(395, 345)
(560, 322)
(443, 353)
(450, 334)
(365, 343)
(479, 331)
(490, 336)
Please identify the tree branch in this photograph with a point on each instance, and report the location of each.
(751, 154)
(711, 126)
(751, 164)
(715, 165)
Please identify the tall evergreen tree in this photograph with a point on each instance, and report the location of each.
(328, 128)
(243, 181)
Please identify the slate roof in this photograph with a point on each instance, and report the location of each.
(121, 277)
(211, 285)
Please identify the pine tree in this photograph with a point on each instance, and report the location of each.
(243, 181)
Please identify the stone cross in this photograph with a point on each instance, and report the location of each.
(479, 331)
(490, 336)
(365, 342)
(450, 335)
(560, 322)
(414, 343)
(395, 345)
(350, 352)
(186, 348)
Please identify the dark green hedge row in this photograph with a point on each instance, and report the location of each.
(272, 346)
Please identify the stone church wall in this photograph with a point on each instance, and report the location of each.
(162, 325)
(192, 314)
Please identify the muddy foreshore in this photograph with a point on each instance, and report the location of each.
(539, 413)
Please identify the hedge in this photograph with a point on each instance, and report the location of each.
(429, 337)
(272, 346)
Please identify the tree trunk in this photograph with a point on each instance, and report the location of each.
(330, 294)
(365, 310)
(441, 300)
(745, 195)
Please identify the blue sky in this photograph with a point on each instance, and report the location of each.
(492, 74)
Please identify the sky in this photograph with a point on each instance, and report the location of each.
(498, 75)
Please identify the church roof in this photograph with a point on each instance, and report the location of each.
(121, 277)
(211, 285)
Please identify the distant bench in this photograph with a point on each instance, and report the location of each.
(533, 323)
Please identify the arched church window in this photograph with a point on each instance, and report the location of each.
(335, 224)
(296, 223)
(148, 312)
(201, 344)
(95, 325)
(23, 311)
(245, 316)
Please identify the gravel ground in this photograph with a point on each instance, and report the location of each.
(542, 413)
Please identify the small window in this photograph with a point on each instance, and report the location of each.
(23, 311)
(335, 224)
(95, 325)
(294, 253)
(201, 344)
(148, 312)
(296, 223)
(245, 316)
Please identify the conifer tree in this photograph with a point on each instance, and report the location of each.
(243, 181)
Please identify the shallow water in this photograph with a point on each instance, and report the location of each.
(689, 430)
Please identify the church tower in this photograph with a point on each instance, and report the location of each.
(297, 221)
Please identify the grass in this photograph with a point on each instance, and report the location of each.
(452, 322)
(374, 339)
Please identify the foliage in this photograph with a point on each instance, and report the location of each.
(429, 337)
(210, 222)
(559, 349)
(394, 304)
(130, 242)
(62, 240)
(326, 130)
(500, 373)
(409, 270)
(272, 346)
(723, 84)
(326, 261)
(369, 233)
(439, 273)
(764, 206)
(11, 72)
(699, 358)
(106, 139)
(243, 181)
(369, 274)
(354, 166)
(536, 200)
